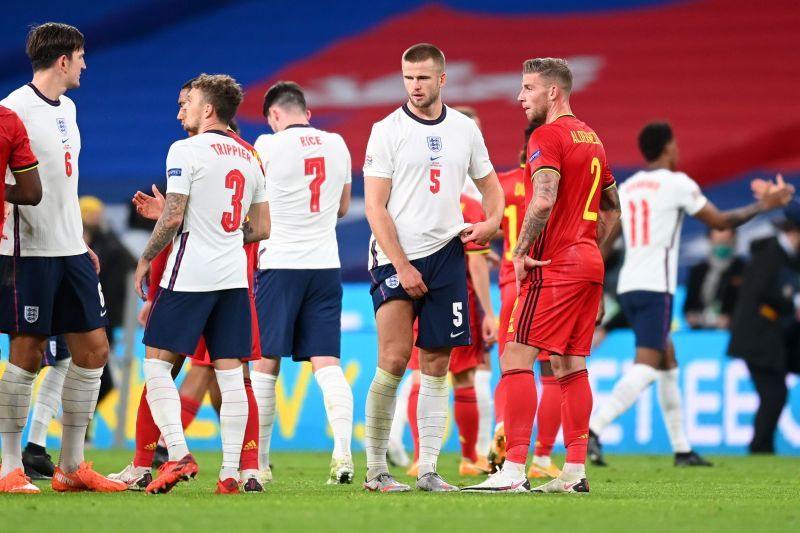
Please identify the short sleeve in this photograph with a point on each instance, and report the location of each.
(21, 158)
(690, 197)
(261, 147)
(607, 178)
(260, 192)
(348, 162)
(479, 163)
(545, 150)
(179, 169)
(379, 161)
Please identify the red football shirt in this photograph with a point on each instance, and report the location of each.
(571, 148)
(15, 149)
(513, 183)
(473, 213)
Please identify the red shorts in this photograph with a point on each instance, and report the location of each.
(201, 357)
(508, 295)
(556, 316)
(462, 358)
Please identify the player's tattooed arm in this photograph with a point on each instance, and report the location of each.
(167, 226)
(608, 225)
(256, 226)
(545, 185)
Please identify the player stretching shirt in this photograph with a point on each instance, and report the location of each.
(212, 182)
(299, 288)
(655, 202)
(415, 167)
(50, 284)
(560, 270)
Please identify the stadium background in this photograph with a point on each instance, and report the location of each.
(724, 73)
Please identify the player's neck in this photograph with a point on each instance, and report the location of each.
(431, 112)
(49, 84)
(660, 164)
(212, 125)
(558, 110)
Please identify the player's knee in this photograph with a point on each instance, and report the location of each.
(464, 379)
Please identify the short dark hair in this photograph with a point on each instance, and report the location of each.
(284, 94)
(51, 40)
(653, 138)
(188, 83)
(422, 52)
(555, 69)
(222, 92)
(528, 132)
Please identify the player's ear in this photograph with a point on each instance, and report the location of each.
(443, 79)
(308, 115)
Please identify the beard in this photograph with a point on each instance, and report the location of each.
(427, 102)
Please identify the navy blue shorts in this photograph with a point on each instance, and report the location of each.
(56, 350)
(178, 319)
(299, 312)
(443, 313)
(50, 295)
(650, 316)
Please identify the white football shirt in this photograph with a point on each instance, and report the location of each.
(306, 170)
(53, 228)
(427, 161)
(653, 205)
(222, 178)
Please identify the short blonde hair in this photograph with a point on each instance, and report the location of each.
(554, 69)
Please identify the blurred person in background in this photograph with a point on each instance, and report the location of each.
(766, 323)
(714, 283)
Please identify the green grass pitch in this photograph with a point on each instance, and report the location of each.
(636, 493)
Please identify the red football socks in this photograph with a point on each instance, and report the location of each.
(147, 434)
(499, 402)
(413, 400)
(189, 408)
(249, 457)
(548, 417)
(520, 410)
(576, 407)
(465, 412)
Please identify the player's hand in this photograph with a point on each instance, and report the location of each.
(144, 313)
(149, 207)
(489, 329)
(601, 311)
(411, 280)
(142, 274)
(95, 260)
(479, 233)
(523, 265)
(772, 195)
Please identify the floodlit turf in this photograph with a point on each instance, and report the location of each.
(636, 493)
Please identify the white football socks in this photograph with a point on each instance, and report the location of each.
(16, 387)
(625, 392)
(232, 419)
(400, 413)
(48, 401)
(431, 420)
(165, 405)
(264, 391)
(378, 423)
(338, 397)
(483, 391)
(79, 400)
(669, 397)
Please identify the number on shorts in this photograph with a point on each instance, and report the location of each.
(100, 292)
(458, 318)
